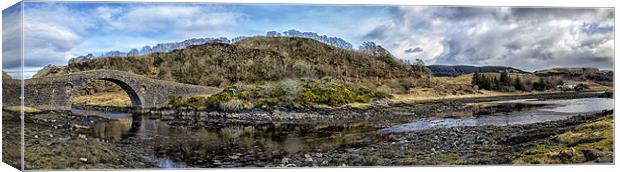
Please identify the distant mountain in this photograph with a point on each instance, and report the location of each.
(6, 76)
(167, 47)
(457, 70)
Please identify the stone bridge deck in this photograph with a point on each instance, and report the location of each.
(56, 93)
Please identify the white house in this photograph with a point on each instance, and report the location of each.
(567, 86)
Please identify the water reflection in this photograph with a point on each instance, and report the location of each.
(171, 142)
(555, 110)
(200, 145)
(121, 125)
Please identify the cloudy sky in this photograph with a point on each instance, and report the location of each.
(526, 38)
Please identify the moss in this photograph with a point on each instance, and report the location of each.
(309, 97)
(196, 102)
(175, 101)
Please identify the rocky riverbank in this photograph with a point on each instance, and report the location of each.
(335, 136)
(58, 140)
(444, 146)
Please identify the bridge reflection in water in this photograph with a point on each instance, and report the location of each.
(120, 126)
(227, 141)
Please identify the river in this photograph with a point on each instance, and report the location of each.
(234, 141)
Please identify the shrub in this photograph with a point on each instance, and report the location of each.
(176, 101)
(226, 95)
(308, 97)
(288, 93)
(196, 102)
(232, 105)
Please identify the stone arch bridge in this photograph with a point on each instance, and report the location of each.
(56, 93)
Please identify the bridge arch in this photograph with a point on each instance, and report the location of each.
(134, 93)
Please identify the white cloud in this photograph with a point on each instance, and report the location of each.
(51, 33)
(11, 42)
(530, 38)
(54, 33)
(177, 19)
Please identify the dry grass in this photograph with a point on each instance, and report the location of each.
(592, 86)
(429, 94)
(115, 99)
(460, 80)
(467, 78)
(358, 105)
(19, 108)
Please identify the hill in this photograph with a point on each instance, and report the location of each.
(603, 77)
(167, 47)
(446, 70)
(255, 60)
(6, 76)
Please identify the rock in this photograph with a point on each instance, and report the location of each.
(84, 160)
(232, 116)
(167, 118)
(36, 136)
(76, 126)
(284, 160)
(592, 154)
(275, 153)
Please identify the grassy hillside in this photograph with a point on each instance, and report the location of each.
(602, 77)
(258, 60)
(329, 60)
(590, 142)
